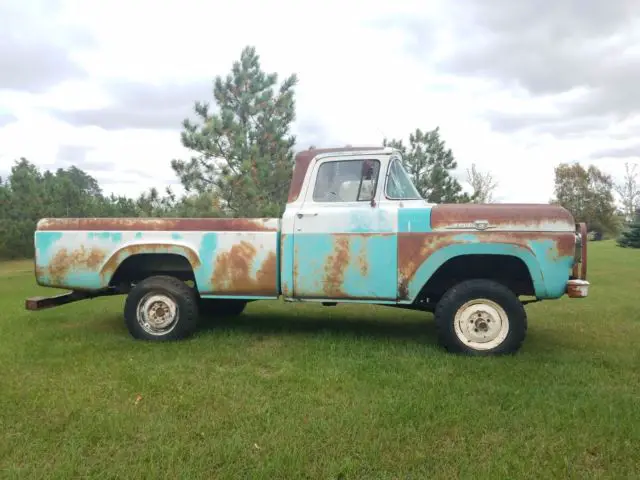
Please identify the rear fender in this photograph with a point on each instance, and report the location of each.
(109, 267)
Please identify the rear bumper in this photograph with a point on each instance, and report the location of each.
(40, 303)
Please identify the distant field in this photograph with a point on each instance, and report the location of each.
(298, 391)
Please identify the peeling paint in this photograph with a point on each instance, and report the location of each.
(235, 272)
(159, 224)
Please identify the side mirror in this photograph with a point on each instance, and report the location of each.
(368, 176)
(367, 170)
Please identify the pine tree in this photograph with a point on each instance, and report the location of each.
(245, 149)
(430, 163)
(630, 237)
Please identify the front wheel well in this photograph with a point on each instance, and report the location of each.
(508, 270)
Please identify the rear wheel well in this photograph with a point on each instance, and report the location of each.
(508, 270)
(137, 267)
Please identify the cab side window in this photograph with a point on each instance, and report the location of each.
(346, 181)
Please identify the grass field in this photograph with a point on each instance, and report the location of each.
(299, 391)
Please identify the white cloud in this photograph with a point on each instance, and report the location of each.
(361, 78)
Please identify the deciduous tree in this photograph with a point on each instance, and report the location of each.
(629, 191)
(588, 195)
(482, 183)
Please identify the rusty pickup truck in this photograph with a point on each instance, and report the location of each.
(355, 229)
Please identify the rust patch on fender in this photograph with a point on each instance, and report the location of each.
(158, 224)
(413, 251)
(335, 267)
(416, 248)
(232, 272)
(500, 215)
(65, 261)
(566, 244)
(130, 250)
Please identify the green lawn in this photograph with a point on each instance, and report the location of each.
(300, 391)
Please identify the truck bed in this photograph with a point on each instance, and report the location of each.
(228, 257)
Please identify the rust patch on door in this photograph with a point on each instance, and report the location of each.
(363, 263)
(335, 267)
(232, 274)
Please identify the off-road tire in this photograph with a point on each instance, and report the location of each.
(183, 297)
(221, 307)
(455, 301)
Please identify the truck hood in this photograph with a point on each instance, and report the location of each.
(502, 217)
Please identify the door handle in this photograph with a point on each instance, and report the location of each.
(310, 214)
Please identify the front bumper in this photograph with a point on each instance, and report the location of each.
(577, 286)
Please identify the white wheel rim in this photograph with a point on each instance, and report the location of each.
(157, 314)
(481, 324)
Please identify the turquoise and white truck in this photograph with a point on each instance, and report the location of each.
(355, 229)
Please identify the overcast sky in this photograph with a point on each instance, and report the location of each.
(515, 86)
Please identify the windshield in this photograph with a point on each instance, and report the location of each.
(399, 185)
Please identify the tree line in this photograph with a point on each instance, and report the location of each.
(243, 150)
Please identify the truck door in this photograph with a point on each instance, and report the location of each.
(345, 244)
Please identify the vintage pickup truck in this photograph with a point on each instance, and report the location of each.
(354, 229)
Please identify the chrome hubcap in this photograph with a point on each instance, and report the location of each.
(157, 313)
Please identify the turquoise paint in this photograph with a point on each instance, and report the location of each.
(108, 236)
(207, 253)
(278, 235)
(435, 261)
(85, 279)
(311, 251)
(176, 236)
(378, 253)
(555, 269)
(286, 270)
(138, 236)
(414, 220)
(43, 243)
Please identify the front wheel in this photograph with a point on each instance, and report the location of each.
(481, 317)
(161, 308)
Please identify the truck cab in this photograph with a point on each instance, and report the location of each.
(340, 226)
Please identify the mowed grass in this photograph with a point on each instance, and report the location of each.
(304, 391)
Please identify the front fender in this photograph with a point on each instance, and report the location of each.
(438, 258)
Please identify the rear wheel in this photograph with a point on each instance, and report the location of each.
(481, 317)
(161, 308)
